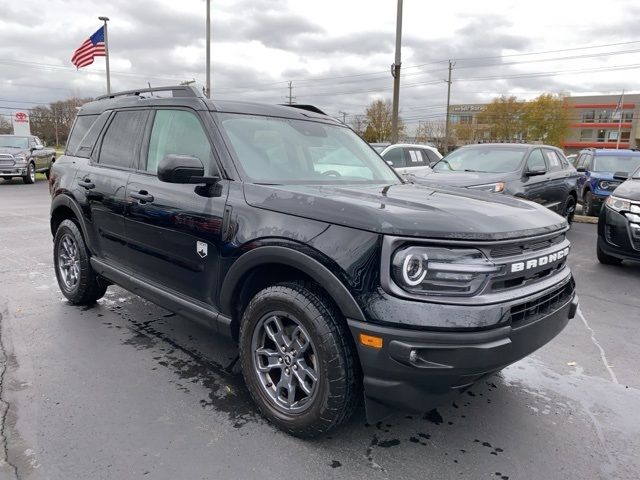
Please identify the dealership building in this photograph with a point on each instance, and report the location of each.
(592, 122)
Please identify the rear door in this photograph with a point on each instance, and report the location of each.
(101, 183)
(417, 162)
(174, 230)
(556, 190)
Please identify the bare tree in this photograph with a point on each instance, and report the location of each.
(431, 131)
(378, 121)
(5, 126)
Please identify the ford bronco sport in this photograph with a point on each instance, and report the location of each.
(284, 230)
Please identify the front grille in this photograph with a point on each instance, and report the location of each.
(527, 312)
(524, 247)
(6, 160)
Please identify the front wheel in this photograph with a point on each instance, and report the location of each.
(588, 204)
(30, 177)
(298, 360)
(76, 278)
(569, 209)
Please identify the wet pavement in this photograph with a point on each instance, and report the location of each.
(128, 390)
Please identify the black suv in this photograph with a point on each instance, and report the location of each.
(540, 173)
(284, 230)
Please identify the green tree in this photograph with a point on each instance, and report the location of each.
(546, 119)
(378, 122)
(503, 117)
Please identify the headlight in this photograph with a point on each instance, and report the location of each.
(618, 204)
(490, 187)
(608, 185)
(440, 270)
(20, 158)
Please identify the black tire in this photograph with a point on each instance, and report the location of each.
(607, 259)
(48, 171)
(337, 390)
(587, 205)
(88, 286)
(30, 177)
(7, 179)
(569, 209)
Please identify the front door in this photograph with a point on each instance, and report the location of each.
(536, 187)
(174, 230)
(101, 181)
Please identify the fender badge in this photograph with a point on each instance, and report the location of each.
(201, 248)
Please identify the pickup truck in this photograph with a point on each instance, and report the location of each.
(24, 156)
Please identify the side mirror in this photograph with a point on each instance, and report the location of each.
(535, 173)
(621, 176)
(180, 169)
(581, 169)
(432, 164)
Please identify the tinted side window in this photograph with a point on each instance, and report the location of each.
(121, 141)
(177, 132)
(552, 160)
(414, 158)
(80, 127)
(536, 160)
(431, 156)
(89, 140)
(587, 161)
(396, 157)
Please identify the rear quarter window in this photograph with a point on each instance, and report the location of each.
(78, 131)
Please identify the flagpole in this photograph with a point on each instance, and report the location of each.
(106, 50)
(620, 120)
(208, 49)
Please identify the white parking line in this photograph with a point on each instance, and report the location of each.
(603, 356)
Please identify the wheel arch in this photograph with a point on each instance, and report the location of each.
(64, 208)
(265, 265)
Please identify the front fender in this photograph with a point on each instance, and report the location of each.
(293, 258)
(64, 200)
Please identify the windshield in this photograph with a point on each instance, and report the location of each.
(616, 163)
(14, 142)
(482, 159)
(379, 148)
(280, 150)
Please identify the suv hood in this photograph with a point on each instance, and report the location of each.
(629, 190)
(410, 210)
(463, 179)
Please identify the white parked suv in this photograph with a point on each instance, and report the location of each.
(411, 159)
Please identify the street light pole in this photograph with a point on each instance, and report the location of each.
(395, 71)
(106, 52)
(208, 86)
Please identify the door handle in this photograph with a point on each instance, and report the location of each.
(86, 183)
(142, 196)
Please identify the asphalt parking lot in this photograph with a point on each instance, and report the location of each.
(126, 389)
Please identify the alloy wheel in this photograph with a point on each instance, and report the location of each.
(570, 209)
(285, 362)
(69, 262)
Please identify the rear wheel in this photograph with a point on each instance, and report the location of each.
(297, 359)
(607, 259)
(76, 278)
(30, 177)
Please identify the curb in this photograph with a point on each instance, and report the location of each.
(584, 219)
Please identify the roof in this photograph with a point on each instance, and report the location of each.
(508, 145)
(188, 96)
(621, 153)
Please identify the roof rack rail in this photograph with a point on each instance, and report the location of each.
(177, 91)
(309, 108)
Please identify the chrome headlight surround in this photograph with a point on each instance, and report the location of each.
(20, 158)
(436, 270)
(497, 187)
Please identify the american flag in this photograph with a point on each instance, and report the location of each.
(92, 47)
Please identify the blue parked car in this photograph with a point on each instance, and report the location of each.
(597, 168)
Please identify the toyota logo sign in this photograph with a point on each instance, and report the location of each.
(21, 117)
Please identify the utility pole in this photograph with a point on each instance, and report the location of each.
(446, 125)
(208, 86)
(290, 97)
(344, 116)
(621, 113)
(106, 52)
(395, 72)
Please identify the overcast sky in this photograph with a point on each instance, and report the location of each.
(336, 52)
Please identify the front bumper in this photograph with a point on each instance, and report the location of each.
(416, 370)
(13, 171)
(618, 236)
